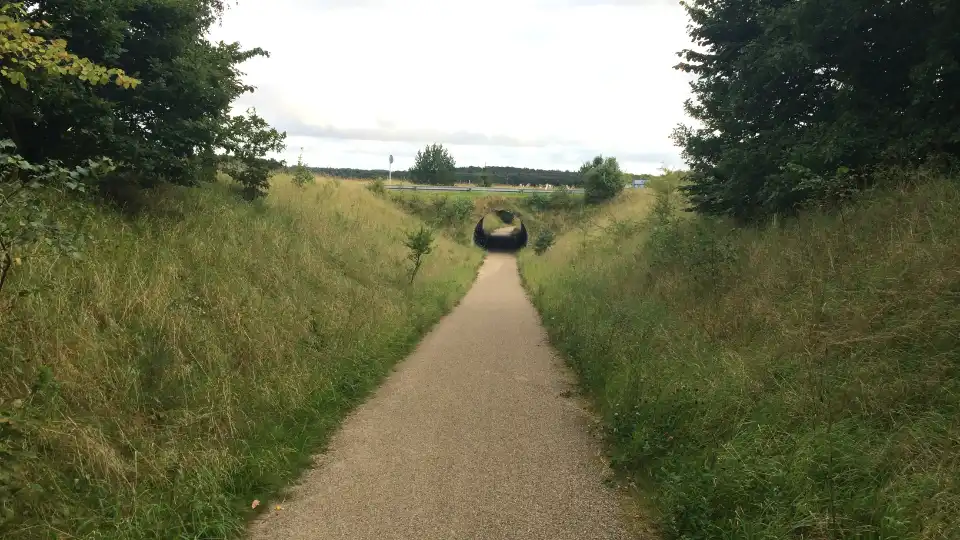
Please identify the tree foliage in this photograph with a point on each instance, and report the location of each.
(434, 165)
(420, 244)
(176, 125)
(799, 102)
(602, 179)
(27, 217)
(23, 51)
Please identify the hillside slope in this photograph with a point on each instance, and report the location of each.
(799, 381)
(200, 354)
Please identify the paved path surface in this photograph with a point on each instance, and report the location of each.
(471, 437)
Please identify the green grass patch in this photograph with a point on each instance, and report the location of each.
(200, 354)
(796, 381)
(457, 213)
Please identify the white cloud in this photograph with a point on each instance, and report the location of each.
(537, 83)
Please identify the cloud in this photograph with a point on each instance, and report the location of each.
(389, 133)
(533, 82)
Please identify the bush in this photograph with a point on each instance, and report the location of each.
(538, 202)
(378, 186)
(602, 179)
(545, 239)
(420, 244)
(561, 198)
(301, 175)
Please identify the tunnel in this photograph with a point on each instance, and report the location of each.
(499, 240)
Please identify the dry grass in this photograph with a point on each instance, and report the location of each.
(200, 354)
(797, 381)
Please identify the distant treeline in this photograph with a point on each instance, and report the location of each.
(497, 175)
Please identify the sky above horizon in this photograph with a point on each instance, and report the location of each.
(528, 83)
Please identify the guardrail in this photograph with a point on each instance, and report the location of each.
(481, 189)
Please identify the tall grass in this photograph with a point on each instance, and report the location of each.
(797, 381)
(457, 213)
(200, 354)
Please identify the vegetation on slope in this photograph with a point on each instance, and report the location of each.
(200, 353)
(458, 213)
(800, 380)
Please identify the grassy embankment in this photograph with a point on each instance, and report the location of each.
(457, 213)
(200, 354)
(801, 380)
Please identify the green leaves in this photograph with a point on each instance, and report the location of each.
(602, 179)
(420, 244)
(434, 165)
(21, 50)
(301, 175)
(247, 139)
(788, 93)
(35, 216)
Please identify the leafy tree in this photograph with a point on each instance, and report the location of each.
(27, 215)
(173, 128)
(420, 244)
(602, 179)
(246, 139)
(800, 102)
(434, 165)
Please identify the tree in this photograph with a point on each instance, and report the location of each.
(434, 165)
(173, 128)
(301, 175)
(799, 102)
(27, 215)
(246, 139)
(602, 179)
(420, 244)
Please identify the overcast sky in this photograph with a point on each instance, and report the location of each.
(528, 83)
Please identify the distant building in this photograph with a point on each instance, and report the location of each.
(639, 182)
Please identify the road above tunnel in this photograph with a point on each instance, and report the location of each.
(473, 436)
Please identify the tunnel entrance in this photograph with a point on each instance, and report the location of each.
(510, 237)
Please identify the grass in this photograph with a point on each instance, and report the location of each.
(801, 380)
(200, 354)
(457, 213)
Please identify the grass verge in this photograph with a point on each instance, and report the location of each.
(796, 381)
(200, 354)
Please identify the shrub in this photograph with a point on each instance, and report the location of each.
(420, 244)
(538, 202)
(602, 179)
(561, 198)
(377, 186)
(301, 175)
(545, 239)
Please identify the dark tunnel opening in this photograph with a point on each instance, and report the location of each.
(514, 240)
